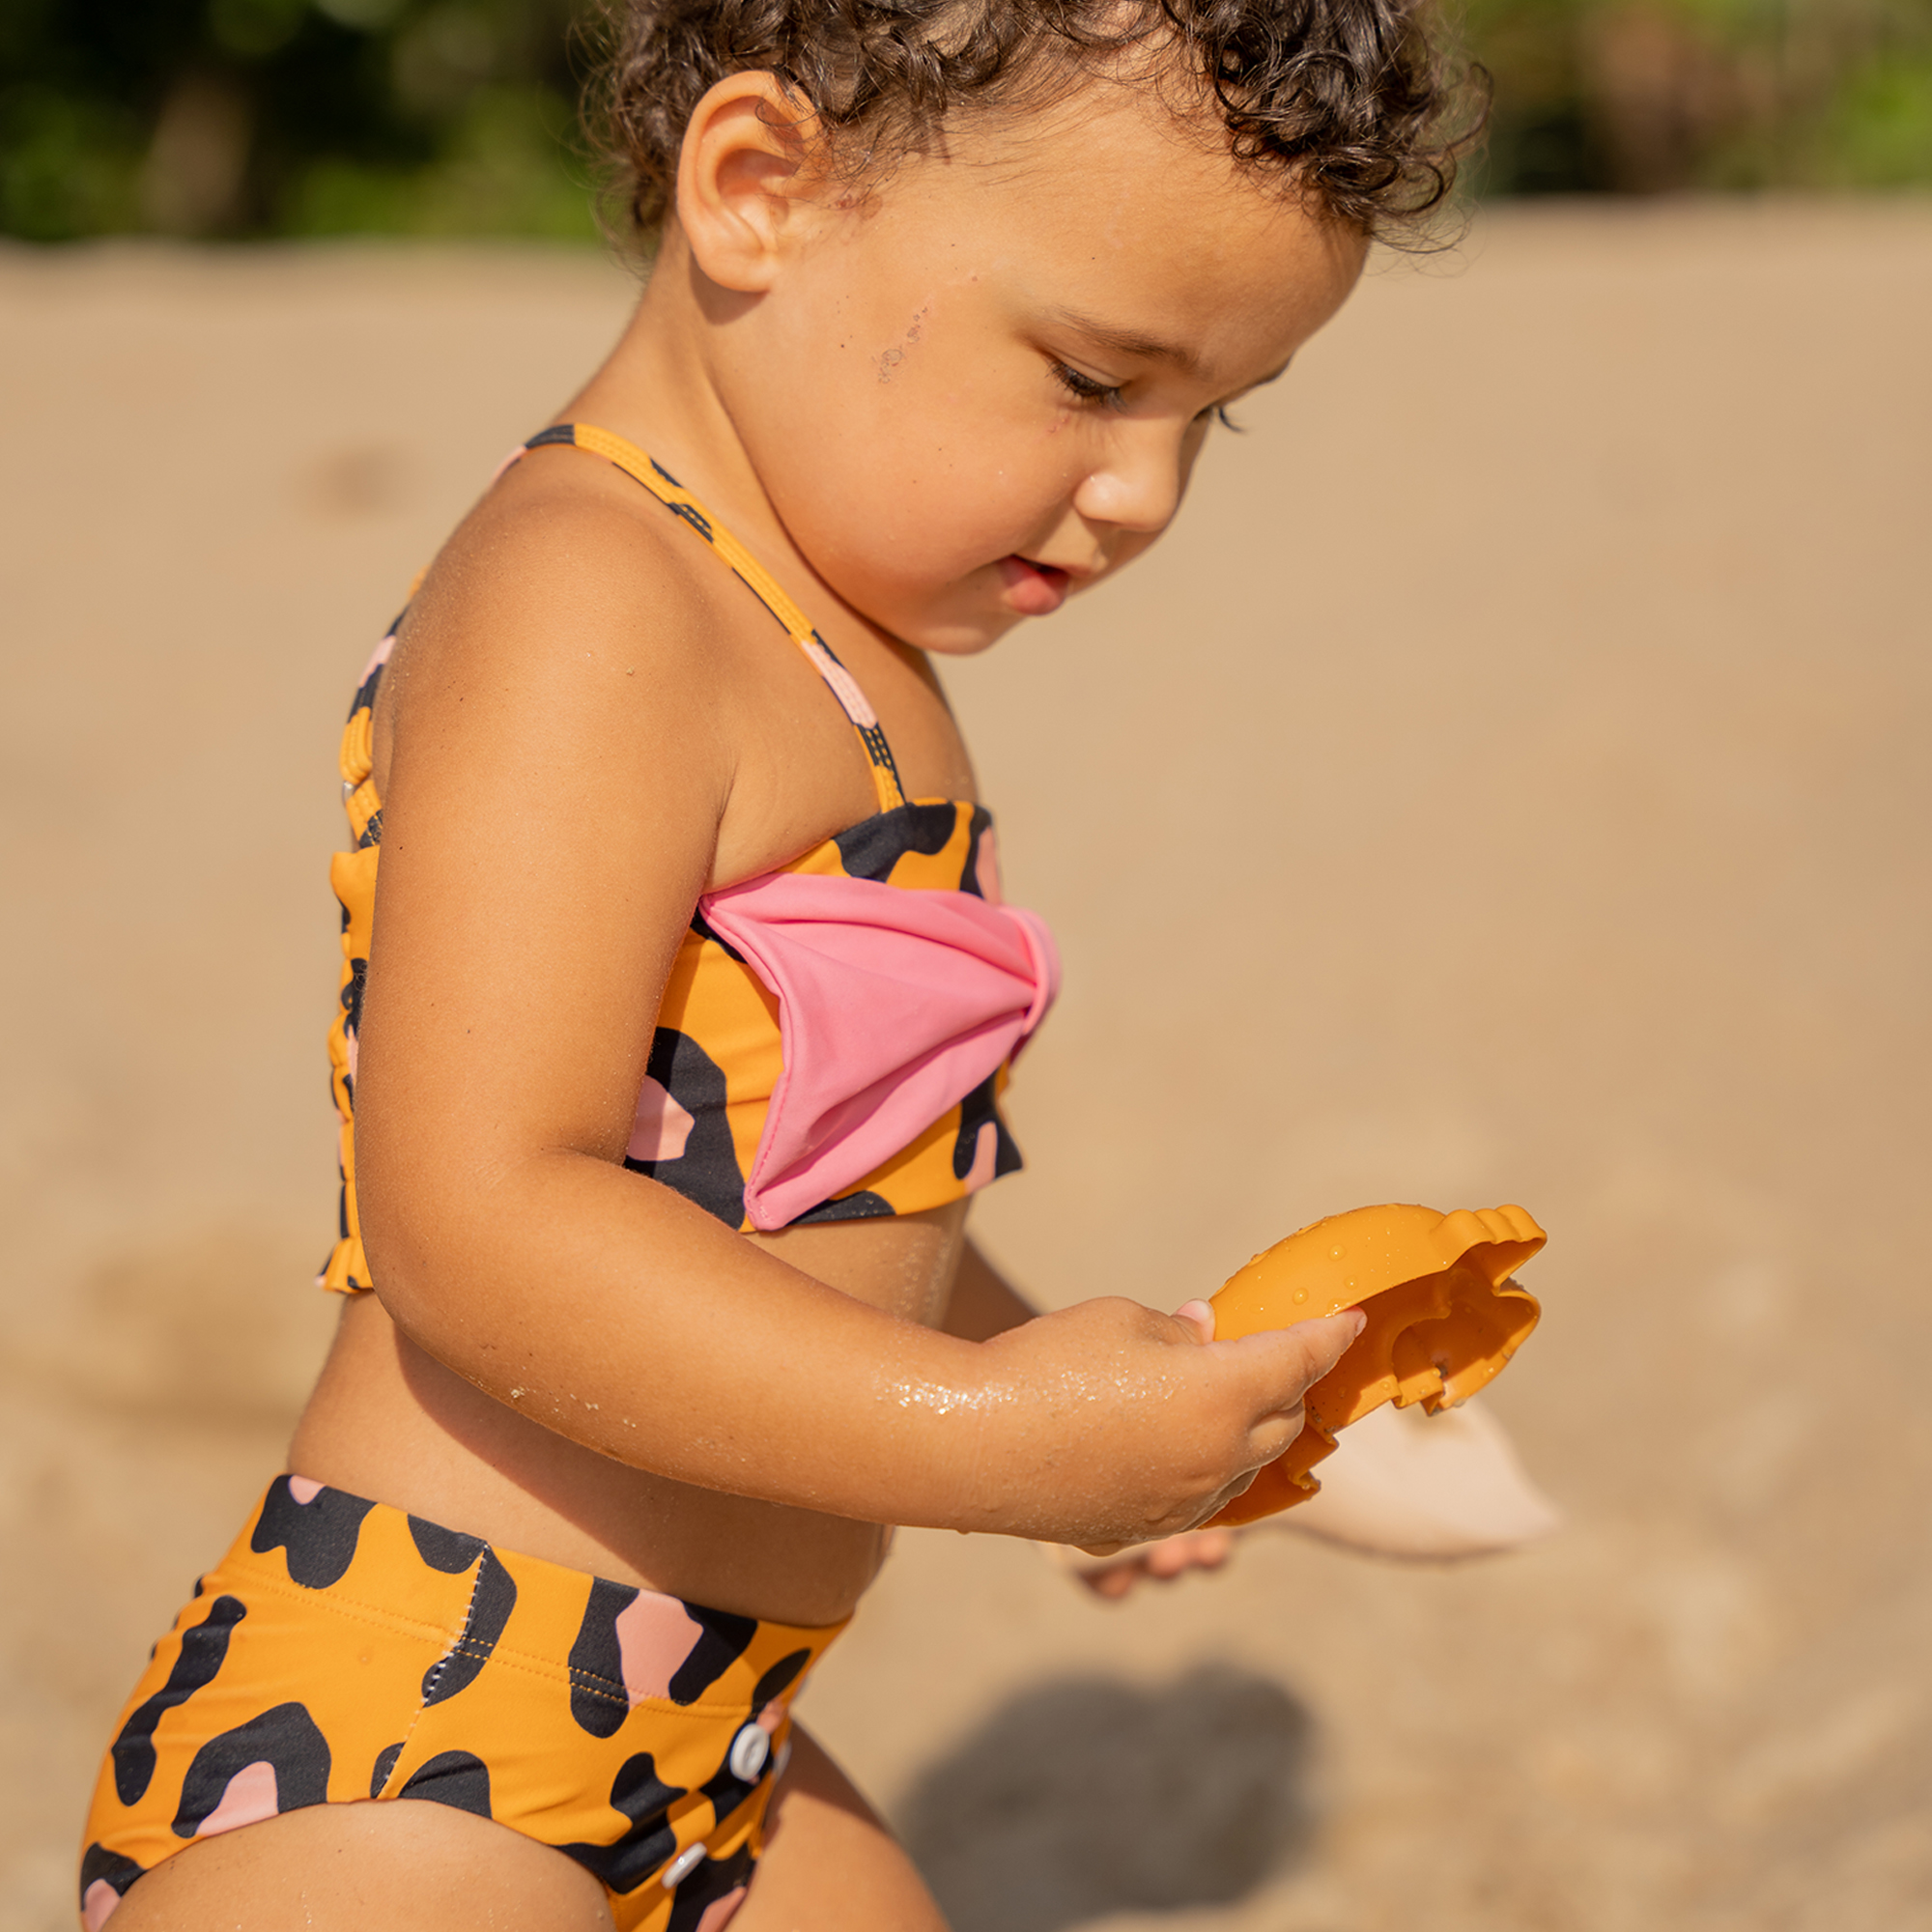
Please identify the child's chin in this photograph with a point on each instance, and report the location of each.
(955, 624)
(958, 638)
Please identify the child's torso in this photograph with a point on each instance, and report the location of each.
(889, 1234)
(835, 1034)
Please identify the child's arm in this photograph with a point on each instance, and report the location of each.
(578, 754)
(985, 1303)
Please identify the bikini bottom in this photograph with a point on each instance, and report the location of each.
(343, 1650)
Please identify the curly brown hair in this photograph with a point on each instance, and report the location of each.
(1362, 106)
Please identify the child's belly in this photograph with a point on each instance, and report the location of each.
(389, 1422)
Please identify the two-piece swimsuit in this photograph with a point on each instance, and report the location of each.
(831, 1045)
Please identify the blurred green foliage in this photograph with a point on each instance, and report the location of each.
(1646, 96)
(457, 116)
(292, 117)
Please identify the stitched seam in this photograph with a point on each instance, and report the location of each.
(435, 1674)
(456, 1646)
(352, 1607)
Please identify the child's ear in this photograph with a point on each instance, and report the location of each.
(744, 177)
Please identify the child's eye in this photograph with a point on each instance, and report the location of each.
(1220, 414)
(1085, 387)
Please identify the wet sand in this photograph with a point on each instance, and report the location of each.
(1507, 784)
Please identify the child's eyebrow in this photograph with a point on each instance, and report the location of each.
(1153, 347)
(1127, 341)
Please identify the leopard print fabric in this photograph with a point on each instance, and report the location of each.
(343, 1650)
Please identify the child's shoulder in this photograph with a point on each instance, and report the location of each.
(564, 627)
(562, 561)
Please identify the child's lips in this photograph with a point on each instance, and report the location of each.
(1033, 590)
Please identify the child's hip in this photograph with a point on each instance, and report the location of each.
(343, 1650)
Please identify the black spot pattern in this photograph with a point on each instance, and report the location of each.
(707, 1171)
(202, 1650)
(693, 518)
(350, 996)
(726, 1790)
(454, 1778)
(864, 1206)
(721, 1645)
(706, 1885)
(643, 1798)
(871, 848)
(490, 1603)
(778, 1679)
(982, 824)
(97, 1863)
(704, 929)
(385, 1763)
(979, 1109)
(597, 1697)
(365, 692)
(320, 1535)
(450, 1550)
(285, 1737)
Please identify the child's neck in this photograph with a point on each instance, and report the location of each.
(665, 387)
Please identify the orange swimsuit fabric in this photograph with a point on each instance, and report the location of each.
(343, 1650)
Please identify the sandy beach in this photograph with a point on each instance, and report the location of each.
(1507, 783)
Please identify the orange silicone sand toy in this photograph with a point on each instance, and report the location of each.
(1443, 1317)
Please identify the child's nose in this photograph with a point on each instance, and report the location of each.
(1137, 488)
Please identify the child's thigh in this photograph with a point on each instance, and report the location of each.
(830, 1864)
(367, 1867)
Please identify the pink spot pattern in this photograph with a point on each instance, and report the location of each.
(98, 1905)
(721, 1912)
(985, 1151)
(655, 1634)
(987, 868)
(251, 1797)
(856, 705)
(303, 1489)
(380, 654)
(660, 1126)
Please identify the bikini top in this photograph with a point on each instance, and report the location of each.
(835, 1034)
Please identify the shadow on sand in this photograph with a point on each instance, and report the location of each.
(1088, 1796)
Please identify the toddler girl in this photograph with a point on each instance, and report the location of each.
(672, 1037)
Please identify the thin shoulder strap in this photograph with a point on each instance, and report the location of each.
(680, 503)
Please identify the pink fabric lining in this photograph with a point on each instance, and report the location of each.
(894, 1004)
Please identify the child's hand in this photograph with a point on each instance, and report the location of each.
(1167, 1562)
(1109, 1423)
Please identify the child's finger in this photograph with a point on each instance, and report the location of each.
(1292, 1359)
(1199, 1316)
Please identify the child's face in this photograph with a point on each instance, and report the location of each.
(984, 385)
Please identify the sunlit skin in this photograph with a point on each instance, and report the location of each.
(932, 404)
